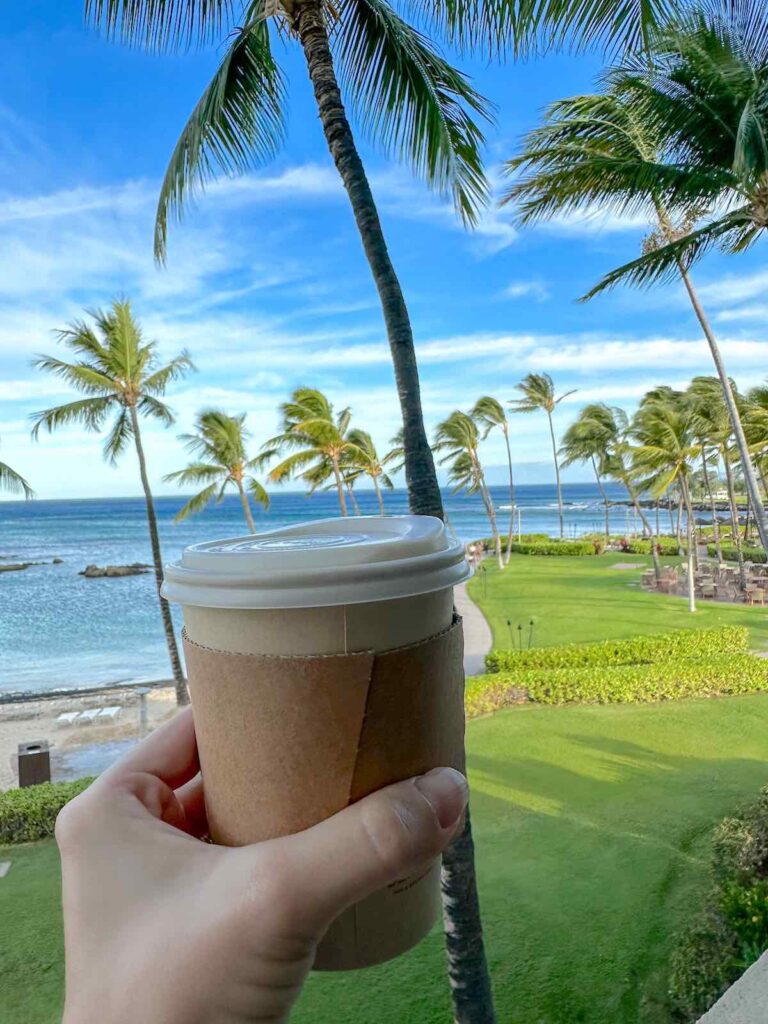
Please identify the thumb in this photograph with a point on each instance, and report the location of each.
(385, 836)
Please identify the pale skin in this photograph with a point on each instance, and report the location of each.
(163, 928)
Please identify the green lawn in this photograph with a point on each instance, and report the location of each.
(582, 599)
(592, 827)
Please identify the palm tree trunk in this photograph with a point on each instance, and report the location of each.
(679, 525)
(423, 490)
(182, 695)
(352, 498)
(339, 487)
(753, 491)
(508, 555)
(488, 502)
(713, 507)
(467, 965)
(690, 526)
(246, 506)
(605, 503)
(646, 526)
(557, 474)
(379, 495)
(735, 531)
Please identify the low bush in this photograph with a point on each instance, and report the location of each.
(555, 547)
(683, 643)
(732, 555)
(525, 538)
(618, 684)
(731, 932)
(665, 545)
(30, 813)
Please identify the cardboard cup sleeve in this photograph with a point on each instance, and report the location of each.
(287, 741)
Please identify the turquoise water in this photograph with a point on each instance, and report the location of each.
(59, 629)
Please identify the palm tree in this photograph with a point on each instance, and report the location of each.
(539, 393)
(458, 439)
(319, 440)
(585, 441)
(364, 461)
(414, 103)
(707, 423)
(665, 451)
(489, 412)
(612, 427)
(14, 482)
(677, 135)
(219, 444)
(119, 373)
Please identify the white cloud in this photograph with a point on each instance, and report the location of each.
(734, 288)
(534, 289)
(595, 221)
(754, 311)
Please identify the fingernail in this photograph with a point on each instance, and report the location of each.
(447, 792)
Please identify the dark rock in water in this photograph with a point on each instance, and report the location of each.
(56, 561)
(98, 571)
(16, 566)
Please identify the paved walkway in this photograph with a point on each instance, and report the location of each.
(478, 639)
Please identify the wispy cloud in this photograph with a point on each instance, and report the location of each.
(534, 289)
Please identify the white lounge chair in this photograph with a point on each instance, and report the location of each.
(111, 713)
(89, 716)
(67, 718)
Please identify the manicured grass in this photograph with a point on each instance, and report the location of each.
(575, 600)
(591, 825)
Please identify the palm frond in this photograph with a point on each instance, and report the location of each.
(80, 376)
(664, 263)
(89, 412)
(14, 482)
(195, 473)
(197, 503)
(258, 492)
(150, 406)
(157, 382)
(118, 437)
(411, 101)
(161, 25)
(237, 124)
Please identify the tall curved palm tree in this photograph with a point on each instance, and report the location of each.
(318, 439)
(489, 412)
(457, 439)
(364, 460)
(14, 482)
(585, 441)
(675, 136)
(424, 111)
(121, 376)
(219, 442)
(538, 391)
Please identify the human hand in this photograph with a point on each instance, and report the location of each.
(163, 928)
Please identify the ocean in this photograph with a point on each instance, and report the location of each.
(59, 629)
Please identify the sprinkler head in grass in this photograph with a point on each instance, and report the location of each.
(520, 635)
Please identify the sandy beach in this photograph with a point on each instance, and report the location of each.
(36, 720)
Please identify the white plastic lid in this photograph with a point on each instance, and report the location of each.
(321, 563)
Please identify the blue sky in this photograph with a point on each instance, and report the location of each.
(266, 284)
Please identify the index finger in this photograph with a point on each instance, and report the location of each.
(169, 753)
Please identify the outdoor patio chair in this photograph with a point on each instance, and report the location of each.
(757, 596)
(67, 718)
(89, 716)
(709, 591)
(111, 713)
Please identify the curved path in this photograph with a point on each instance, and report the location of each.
(478, 638)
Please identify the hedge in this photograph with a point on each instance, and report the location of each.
(615, 684)
(683, 643)
(666, 546)
(732, 554)
(555, 547)
(731, 930)
(30, 813)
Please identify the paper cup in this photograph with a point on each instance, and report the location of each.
(323, 663)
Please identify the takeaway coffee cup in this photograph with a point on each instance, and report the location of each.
(324, 662)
